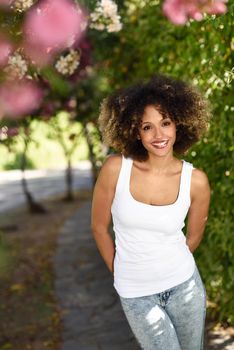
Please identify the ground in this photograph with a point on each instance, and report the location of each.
(29, 316)
(29, 312)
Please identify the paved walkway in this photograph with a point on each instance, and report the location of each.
(93, 319)
(91, 311)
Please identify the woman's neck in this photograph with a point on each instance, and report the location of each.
(161, 165)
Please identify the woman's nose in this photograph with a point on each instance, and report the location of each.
(158, 132)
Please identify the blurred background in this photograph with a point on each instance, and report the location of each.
(58, 60)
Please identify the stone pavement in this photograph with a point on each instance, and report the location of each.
(92, 316)
(91, 311)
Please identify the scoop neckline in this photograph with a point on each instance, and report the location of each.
(152, 205)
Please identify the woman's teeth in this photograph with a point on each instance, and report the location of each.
(160, 144)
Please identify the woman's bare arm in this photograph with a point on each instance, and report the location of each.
(199, 208)
(103, 195)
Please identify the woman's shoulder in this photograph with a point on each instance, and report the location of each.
(113, 160)
(112, 164)
(199, 176)
(199, 182)
(110, 170)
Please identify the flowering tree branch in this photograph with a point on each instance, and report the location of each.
(49, 34)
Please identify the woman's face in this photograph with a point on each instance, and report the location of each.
(157, 134)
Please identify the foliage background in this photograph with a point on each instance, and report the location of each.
(200, 53)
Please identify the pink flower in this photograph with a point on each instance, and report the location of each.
(52, 25)
(6, 2)
(179, 11)
(5, 50)
(175, 11)
(19, 98)
(38, 55)
(11, 132)
(217, 7)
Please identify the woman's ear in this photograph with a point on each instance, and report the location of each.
(138, 137)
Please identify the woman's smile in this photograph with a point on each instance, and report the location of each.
(160, 144)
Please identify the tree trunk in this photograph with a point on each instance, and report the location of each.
(69, 181)
(92, 156)
(32, 205)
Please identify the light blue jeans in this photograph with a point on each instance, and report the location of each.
(171, 320)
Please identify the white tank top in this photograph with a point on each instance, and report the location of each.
(151, 251)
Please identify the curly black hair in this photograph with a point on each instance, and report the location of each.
(121, 113)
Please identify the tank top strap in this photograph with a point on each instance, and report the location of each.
(124, 174)
(186, 181)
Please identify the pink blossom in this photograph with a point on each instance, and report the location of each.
(6, 2)
(175, 11)
(179, 11)
(217, 7)
(19, 98)
(53, 25)
(5, 50)
(39, 55)
(11, 132)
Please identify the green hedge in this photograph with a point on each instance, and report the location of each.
(201, 53)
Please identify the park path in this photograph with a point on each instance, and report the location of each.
(91, 311)
(92, 317)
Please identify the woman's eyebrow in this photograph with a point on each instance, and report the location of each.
(160, 120)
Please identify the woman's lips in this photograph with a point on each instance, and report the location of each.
(161, 144)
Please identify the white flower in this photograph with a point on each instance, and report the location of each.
(17, 66)
(229, 76)
(98, 26)
(95, 16)
(109, 8)
(115, 26)
(22, 5)
(3, 133)
(67, 65)
(105, 16)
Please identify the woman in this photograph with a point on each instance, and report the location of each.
(148, 192)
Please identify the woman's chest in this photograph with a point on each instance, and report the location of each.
(129, 215)
(155, 190)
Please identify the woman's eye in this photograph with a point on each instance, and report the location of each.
(146, 127)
